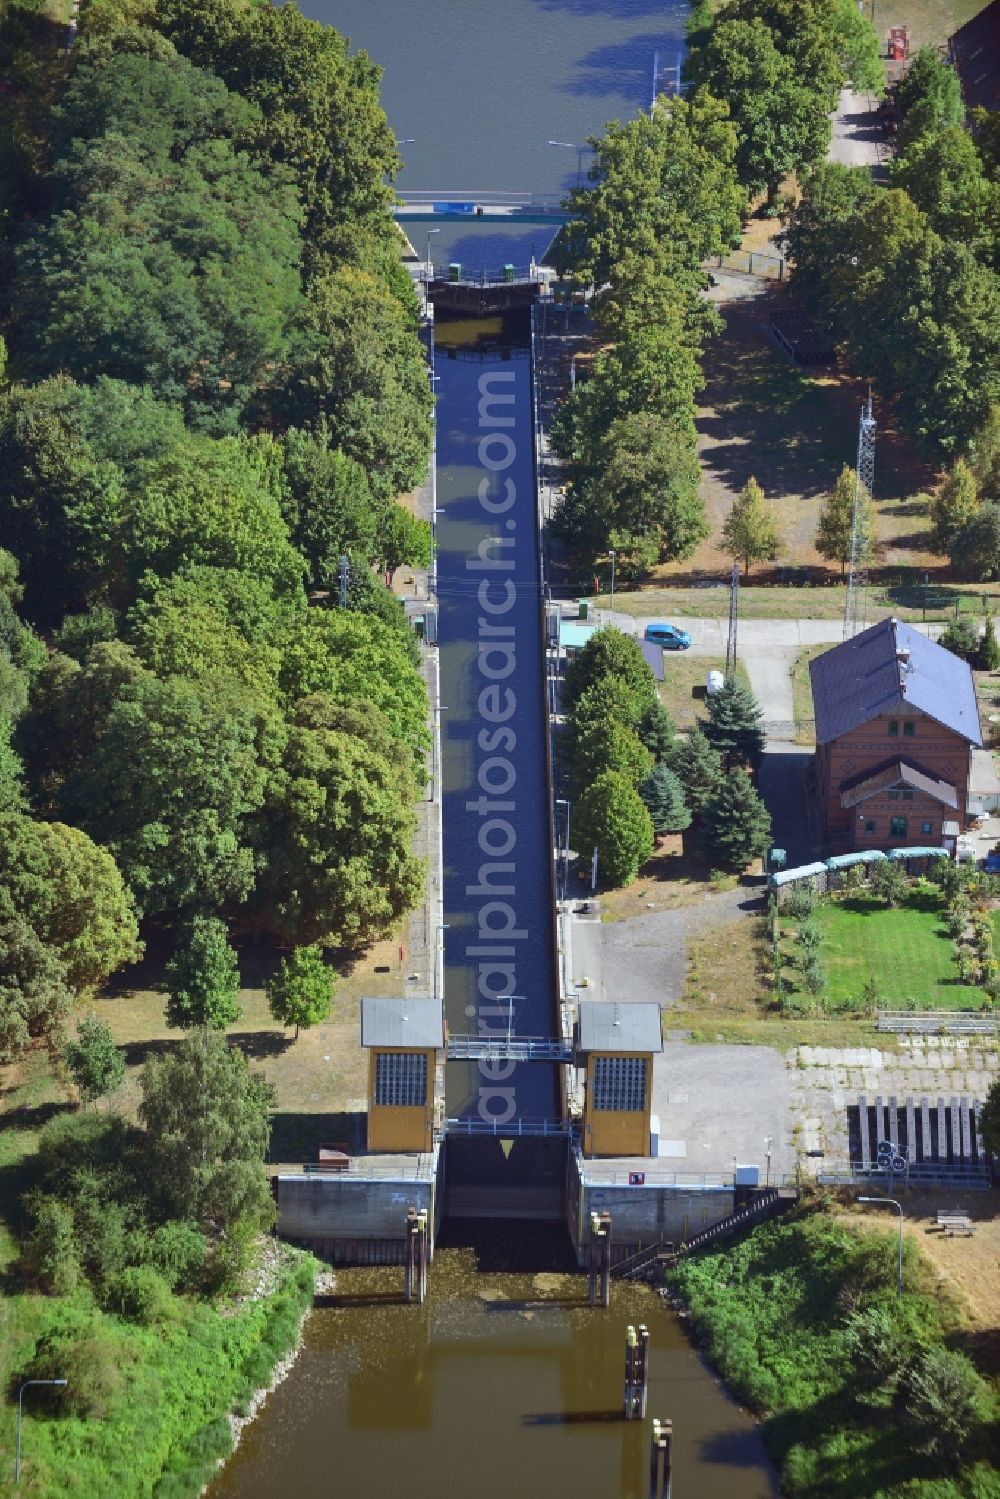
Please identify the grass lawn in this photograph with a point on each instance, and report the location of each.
(670, 878)
(931, 22)
(907, 951)
(682, 692)
(764, 597)
(805, 723)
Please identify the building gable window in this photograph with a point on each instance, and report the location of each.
(870, 825)
(909, 728)
(893, 728)
(897, 827)
(894, 796)
(401, 1079)
(620, 1084)
(927, 827)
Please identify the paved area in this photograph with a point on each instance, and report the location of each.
(645, 957)
(784, 783)
(825, 1081)
(717, 1103)
(770, 674)
(757, 637)
(857, 138)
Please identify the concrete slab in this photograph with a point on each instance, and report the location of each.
(726, 1101)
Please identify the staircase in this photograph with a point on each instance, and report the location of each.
(645, 1262)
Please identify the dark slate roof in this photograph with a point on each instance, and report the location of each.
(609, 1027)
(898, 773)
(864, 677)
(653, 654)
(402, 1022)
(975, 51)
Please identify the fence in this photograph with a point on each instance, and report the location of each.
(937, 1022)
(918, 1174)
(751, 263)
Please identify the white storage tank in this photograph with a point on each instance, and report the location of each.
(715, 683)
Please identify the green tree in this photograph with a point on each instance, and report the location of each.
(942, 1397)
(781, 115)
(657, 731)
(961, 637)
(95, 1063)
(887, 881)
(338, 829)
(609, 654)
(206, 1133)
(664, 178)
(989, 648)
(734, 725)
(203, 978)
(975, 549)
(989, 1121)
(698, 767)
(750, 530)
(944, 174)
(929, 95)
(821, 240)
(327, 505)
(735, 824)
(836, 523)
(984, 455)
(35, 994)
(953, 507)
(612, 817)
(664, 797)
(174, 778)
(609, 746)
(301, 992)
(71, 894)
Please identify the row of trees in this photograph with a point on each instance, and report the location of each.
(908, 277)
(214, 394)
(634, 779)
(666, 197)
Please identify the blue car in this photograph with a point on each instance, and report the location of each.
(669, 636)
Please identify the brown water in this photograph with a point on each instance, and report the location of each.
(500, 1387)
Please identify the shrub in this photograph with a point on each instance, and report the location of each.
(814, 975)
(141, 1294)
(177, 1250)
(888, 881)
(940, 1393)
(802, 901)
(51, 1248)
(810, 935)
(90, 1360)
(96, 1064)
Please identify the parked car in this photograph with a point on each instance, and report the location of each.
(671, 637)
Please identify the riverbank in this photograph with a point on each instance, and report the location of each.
(861, 1393)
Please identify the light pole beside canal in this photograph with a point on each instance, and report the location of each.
(428, 268)
(612, 551)
(891, 1202)
(572, 146)
(20, 1406)
(562, 801)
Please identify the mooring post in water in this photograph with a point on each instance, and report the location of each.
(643, 1370)
(422, 1246)
(659, 1459)
(600, 1258)
(631, 1372)
(412, 1243)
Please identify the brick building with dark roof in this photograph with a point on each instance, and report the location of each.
(896, 723)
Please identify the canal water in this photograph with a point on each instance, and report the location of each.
(482, 86)
(500, 1385)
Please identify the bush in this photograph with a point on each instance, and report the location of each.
(90, 1360)
(810, 936)
(802, 901)
(177, 1250)
(940, 1393)
(141, 1294)
(888, 881)
(51, 1251)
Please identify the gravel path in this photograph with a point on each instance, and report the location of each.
(650, 952)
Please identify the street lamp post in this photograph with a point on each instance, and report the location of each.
(612, 550)
(768, 1142)
(891, 1202)
(20, 1405)
(562, 801)
(427, 262)
(442, 927)
(572, 146)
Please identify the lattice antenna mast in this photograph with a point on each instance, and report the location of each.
(855, 605)
(734, 619)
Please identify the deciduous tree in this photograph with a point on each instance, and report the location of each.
(301, 992)
(203, 977)
(95, 1063)
(750, 530)
(836, 522)
(612, 817)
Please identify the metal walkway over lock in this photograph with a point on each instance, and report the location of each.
(486, 206)
(509, 1049)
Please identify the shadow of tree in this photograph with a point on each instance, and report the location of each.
(298, 1136)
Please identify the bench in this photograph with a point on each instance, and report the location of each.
(955, 1222)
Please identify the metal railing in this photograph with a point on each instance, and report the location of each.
(483, 196)
(750, 263)
(513, 1129)
(365, 1168)
(509, 1049)
(936, 1022)
(918, 1174)
(513, 275)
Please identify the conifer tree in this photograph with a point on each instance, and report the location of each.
(736, 826)
(733, 727)
(664, 797)
(698, 768)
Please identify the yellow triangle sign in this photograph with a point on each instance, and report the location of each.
(506, 1146)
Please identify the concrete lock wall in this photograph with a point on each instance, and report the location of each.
(649, 1215)
(322, 1209)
